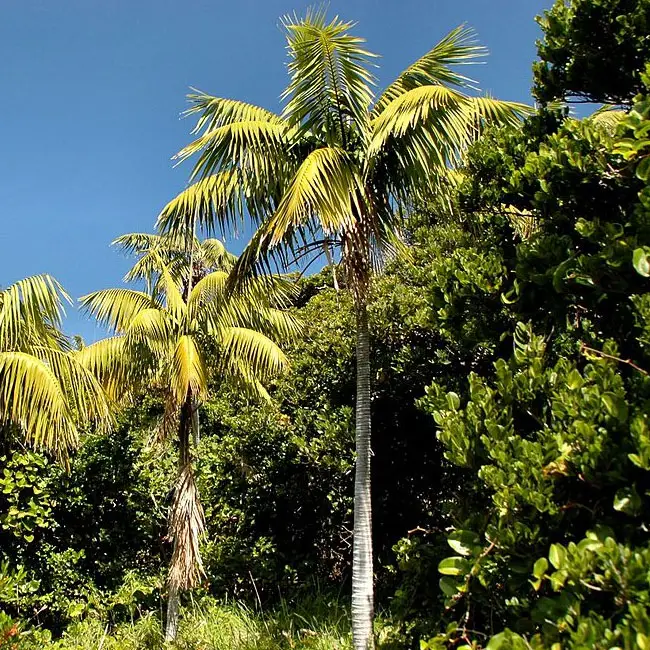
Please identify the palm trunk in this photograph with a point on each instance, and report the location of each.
(362, 573)
(173, 604)
(173, 596)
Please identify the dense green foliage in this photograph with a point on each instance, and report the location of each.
(511, 441)
(593, 50)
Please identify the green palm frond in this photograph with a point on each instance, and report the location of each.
(331, 84)
(32, 397)
(424, 106)
(458, 47)
(110, 362)
(214, 255)
(151, 327)
(260, 354)
(209, 290)
(80, 386)
(609, 117)
(247, 143)
(324, 185)
(31, 307)
(216, 199)
(188, 371)
(116, 308)
(216, 112)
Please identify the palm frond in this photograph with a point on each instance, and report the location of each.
(609, 117)
(256, 147)
(116, 308)
(258, 352)
(458, 47)
(217, 111)
(186, 527)
(83, 391)
(188, 371)
(324, 186)
(216, 199)
(33, 304)
(331, 84)
(112, 362)
(32, 397)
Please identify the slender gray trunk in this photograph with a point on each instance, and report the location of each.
(173, 595)
(173, 606)
(362, 573)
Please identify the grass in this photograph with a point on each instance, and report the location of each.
(319, 624)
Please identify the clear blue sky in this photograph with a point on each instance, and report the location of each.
(91, 92)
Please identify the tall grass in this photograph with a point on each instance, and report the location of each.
(317, 624)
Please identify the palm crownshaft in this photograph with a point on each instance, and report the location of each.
(330, 171)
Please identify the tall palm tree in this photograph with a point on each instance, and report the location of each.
(45, 391)
(333, 171)
(182, 334)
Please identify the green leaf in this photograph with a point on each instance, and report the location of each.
(540, 568)
(641, 261)
(557, 555)
(627, 500)
(448, 586)
(453, 400)
(464, 542)
(507, 640)
(454, 566)
(615, 406)
(574, 379)
(643, 169)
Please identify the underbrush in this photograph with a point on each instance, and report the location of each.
(321, 624)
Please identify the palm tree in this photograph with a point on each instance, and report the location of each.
(334, 171)
(45, 391)
(182, 334)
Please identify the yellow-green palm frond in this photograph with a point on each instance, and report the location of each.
(608, 117)
(216, 199)
(428, 128)
(136, 243)
(116, 308)
(32, 397)
(241, 376)
(431, 108)
(218, 111)
(214, 255)
(187, 371)
(209, 290)
(524, 223)
(256, 147)
(487, 110)
(324, 187)
(151, 327)
(85, 396)
(31, 309)
(458, 47)
(114, 365)
(331, 84)
(260, 354)
(174, 302)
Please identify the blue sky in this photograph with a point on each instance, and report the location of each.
(91, 93)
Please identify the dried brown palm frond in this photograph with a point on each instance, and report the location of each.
(186, 527)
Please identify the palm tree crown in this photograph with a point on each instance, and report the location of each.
(45, 390)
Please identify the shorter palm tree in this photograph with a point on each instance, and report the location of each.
(183, 334)
(45, 391)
